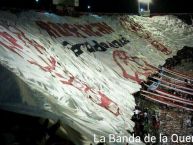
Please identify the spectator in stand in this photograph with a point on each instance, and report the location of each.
(191, 120)
(188, 122)
(146, 115)
(188, 83)
(136, 113)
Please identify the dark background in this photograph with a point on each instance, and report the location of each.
(110, 6)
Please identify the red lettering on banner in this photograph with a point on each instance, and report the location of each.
(73, 30)
(91, 28)
(51, 31)
(147, 68)
(87, 88)
(50, 65)
(49, 68)
(64, 31)
(53, 64)
(69, 82)
(11, 43)
(59, 75)
(105, 102)
(161, 47)
(106, 28)
(10, 39)
(85, 29)
(20, 34)
(142, 33)
(58, 30)
(78, 84)
(103, 28)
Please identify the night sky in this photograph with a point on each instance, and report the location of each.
(110, 6)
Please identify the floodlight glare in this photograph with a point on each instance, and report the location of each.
(88, 7)
(144, 1)
(37, 0)
(143, 7)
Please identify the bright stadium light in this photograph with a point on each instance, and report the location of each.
(37, 1)
(145, 1)
(88, 7)
(144, 11)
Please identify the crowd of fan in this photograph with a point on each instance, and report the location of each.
(146, 122)
(185, 54)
